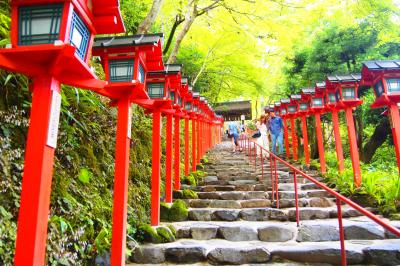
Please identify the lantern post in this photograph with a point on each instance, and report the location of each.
(123, 59)
(158, 90)
(49, 44)
(194, 117)
(293, 114)
(281, 107)
(347, 95)
(384, 78)
(331, 104)
(304, 111)
(317, 106)
(187, 105)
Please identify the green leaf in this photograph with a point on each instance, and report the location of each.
(85, 175)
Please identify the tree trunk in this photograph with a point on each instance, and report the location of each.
(178, 21)
(382, 130)
(151, 17)
(190, 16)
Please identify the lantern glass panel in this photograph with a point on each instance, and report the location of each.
(292, 109)
(39, 24)
(155, 90)
(79, 36)
(120, 70)
(172, 96)
(179, 100)
(332, 97)
(393, 85)
(349, 93)
(277, 113)
(283, 111)
(303, 106)
(338, 97)
(141, 74)
(195, 108)
(378, 88)
(188, 106)
(317, 102)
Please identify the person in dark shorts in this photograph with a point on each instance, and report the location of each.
(234, 131)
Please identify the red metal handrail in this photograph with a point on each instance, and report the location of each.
(339, 198)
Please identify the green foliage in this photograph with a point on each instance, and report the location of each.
(166, 234)
(149, 234)
(178, 211)
(164, 211)
(172, 229)
(189, 194)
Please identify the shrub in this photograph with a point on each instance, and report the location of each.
(164, 211)
(172, 228)
(166, 234)
(149, 234)
(178, 211)
(189, 194)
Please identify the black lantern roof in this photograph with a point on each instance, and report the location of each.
(382, 65)
(277, 104)
(308, 90)
(196, 94)
(135, 40)
(190, 88)
(286, 101)
(295, 97)
(345, 78)
(202, 98)
(173, 68)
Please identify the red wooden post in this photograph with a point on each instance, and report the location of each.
(338, 140)
(194, 146)
(296, 198)
(294, 139)
(341, 231)
(320, 142)
(395, 124)
(355, 160)
(187, 163)
(38, 170)
(168, 159)
(120, 207)
(198, 140)
(155, 174)
(305, 140)
(177, 156)
(286, 136)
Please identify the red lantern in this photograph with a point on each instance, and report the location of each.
(318, 107)
(304, 111)
(284, 114)
(346, 87)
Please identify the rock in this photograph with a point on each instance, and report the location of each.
(260, 187)
(254, 215)
(309, 186)
(277, 214)
(242, 182)
(232, 195)
(103, 259)
(200, 215)
(238, 233)
(244, 187)
(185, 254)
(320, 202)
(149, 254)
(183, 232)
(311, 253)
(208, 189)
(209, 195)
(275, 233)
(387, 253)
(309, 214)
(225, 215)
(204, 232)
(364, 231)
(229, 204)
(317, 232)
(238, 256)
(224, 188)
(318, 194)
(256, 195)
(200, 203)
(255, 203)
(209, 179)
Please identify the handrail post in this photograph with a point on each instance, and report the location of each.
(262, 166)
(272, 178)
(255, 156)
(296, 196)
(276, 184)
(341, 231)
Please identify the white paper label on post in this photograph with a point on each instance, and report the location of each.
(129, 122)
(54, 119)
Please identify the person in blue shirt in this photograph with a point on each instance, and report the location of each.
(234, 131)
(275, 127)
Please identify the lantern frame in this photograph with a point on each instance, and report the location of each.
(284, 108)
(342, 83)
(375, 72)
(319, 94)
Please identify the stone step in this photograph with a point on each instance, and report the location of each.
(229, 204)
(219, 251)
(360, 228)
(302, 194)
(268, 214)
(234, 195)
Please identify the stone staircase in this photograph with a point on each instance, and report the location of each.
(236, 221)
